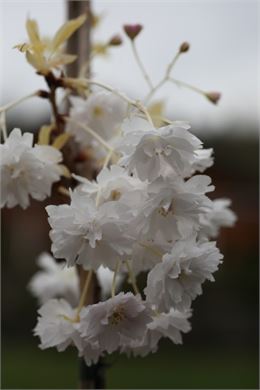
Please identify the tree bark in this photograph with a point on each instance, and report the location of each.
(80, 44)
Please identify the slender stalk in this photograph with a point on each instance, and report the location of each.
(186, 85)
(90, 131)
(18, 101)
(132, 277)
(113, 287)
(64, 191)
(136, 103)
(111, 89)
(141, 65)
(107, 159)
(84, 292)
(165, 78)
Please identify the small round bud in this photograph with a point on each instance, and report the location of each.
(132, 30)
(185, 46)
(213, 97)
(116, 40)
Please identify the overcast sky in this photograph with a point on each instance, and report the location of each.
(223, 55)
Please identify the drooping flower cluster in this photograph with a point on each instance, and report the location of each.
(148, 211)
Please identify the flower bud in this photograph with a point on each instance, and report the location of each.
(185, 46)
(116, 40)
(132, 30)
(213, 96)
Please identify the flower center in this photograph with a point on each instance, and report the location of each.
(117, 316)
(115, 195)
(98, 111)
(164, 212)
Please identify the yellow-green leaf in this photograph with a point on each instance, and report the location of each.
(66, 30)
(33, 31)
(44, 134)
(61, 140)
(36, 60)
(61, 59)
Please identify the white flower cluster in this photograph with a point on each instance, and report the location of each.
(147, 212)
(27, 170)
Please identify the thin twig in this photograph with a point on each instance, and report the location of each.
(165, 78)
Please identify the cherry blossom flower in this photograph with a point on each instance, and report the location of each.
(55, 280)
(177, 279)
(157, 152)
(219, 216)
(88, 235)
(203, 160)
(56, 327)
(174, 208)
(114, 184)
(170, 325)
(115, 322)
(27, 170)
(103, 112)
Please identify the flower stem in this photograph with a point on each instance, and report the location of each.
(107, 159)
(165, 78)
(141, 65)
(18, 101)
(91, 132)
(134, 103)
(84, 292)
(113, 287)
(186, 85)
(132, 277)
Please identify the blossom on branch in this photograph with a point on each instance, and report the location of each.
(27, 170)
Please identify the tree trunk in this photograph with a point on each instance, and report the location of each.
(79, 42)
(90, 377)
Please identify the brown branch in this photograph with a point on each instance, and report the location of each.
(53, 83)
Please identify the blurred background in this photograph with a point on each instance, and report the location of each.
(222, 349)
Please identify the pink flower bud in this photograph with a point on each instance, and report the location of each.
(132, 30)
(116, 40)
(184, 47)
(213, 96)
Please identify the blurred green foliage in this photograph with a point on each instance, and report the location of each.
(179, 367)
